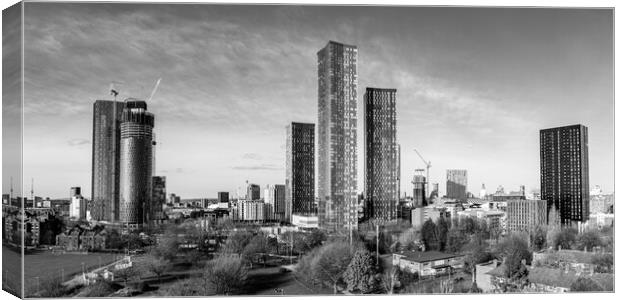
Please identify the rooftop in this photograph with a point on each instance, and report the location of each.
(559, 277)
(421, 257)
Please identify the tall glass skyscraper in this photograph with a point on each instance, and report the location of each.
(105, 160)
(300, 169)
(337, 136)
(381, 159)
(136, 161)
(564, 172)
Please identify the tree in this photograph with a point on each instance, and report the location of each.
(429, 235)
(514, 245)
(468, 225)
(477, 252)
(455, 240)
(585, 284)
(603, 263)
(52, 287)
(113, 240)
(258, 245)
(539, 238)
(236, 242)
(588, 240)
(475, 289)
(361, 272)
(100, 289)
(442, 233)
(187, 287)
(225, 274)
(157, 265)
(565, 238)
(167, 247)
(389, 279)
(126, 274)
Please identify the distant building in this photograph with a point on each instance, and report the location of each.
(434, 193)
(174, 199)
(77, 209)
(299, 185)
(601, 204)
(564, 172)
(136, 162)
(337, 136)
(483, 192)
(419, 193)
(223, 197)
(251, 210)
(381, 159)
(525, 215)
(252, 192)
(305, 221)
(158, 198)
(275, 200)
(105, 160)
(456, 184)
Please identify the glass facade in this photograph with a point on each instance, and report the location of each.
(136, 162)
(105, 160)
(564, 176)
(300, 169)
(337, 136)
(381, 159)
(456, 184)
(159, 198)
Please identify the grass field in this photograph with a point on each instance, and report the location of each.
(11, 270)
(46, 265)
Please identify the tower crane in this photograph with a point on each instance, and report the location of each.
(428, 166)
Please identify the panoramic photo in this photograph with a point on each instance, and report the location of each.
(166, 150)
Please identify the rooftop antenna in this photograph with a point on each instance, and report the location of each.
(11, 196)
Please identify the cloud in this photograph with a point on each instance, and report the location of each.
(78, 142)
(261, 167)
(252, 156)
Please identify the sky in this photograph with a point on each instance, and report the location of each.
(474, 87)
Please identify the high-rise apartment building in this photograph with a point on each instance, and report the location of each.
(299, 182)
(252, 192)
(456, 184)
(158, 198)
(223, 197)
(564, 175)
(419, 191)
(275, 199)
(525, 215)
(105, 160)
(381, 159)
(136, 162)
(337, 136)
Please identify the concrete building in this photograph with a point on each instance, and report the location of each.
(136, 188)
(456, 184)
(495, 219)
(251, 210)
(337, 136)
(299, 185)
(106, 160)
(381, 159)
(564, 172)
(525, 215)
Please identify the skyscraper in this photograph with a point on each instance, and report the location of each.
(252, 192)
(381, 159)
(222, 197)
(456, 184)
(105, 160)
(337, 136)
(419, 191)
(275, 198)
(136, 162)
(299, 169)
(564, 175)
(158, 199)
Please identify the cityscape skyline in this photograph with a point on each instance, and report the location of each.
(468, 104)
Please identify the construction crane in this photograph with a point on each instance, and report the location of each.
(428, 166)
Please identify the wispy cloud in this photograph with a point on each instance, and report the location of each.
(78, 142)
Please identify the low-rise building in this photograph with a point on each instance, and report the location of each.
(493, 218)
(551, 280)
(305, 222)
(427, 263)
